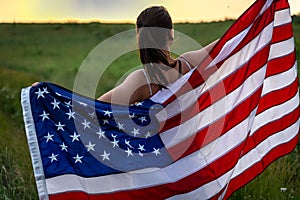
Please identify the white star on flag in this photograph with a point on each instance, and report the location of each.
(100, 133)
(90, 146)
(53, 157)
(44, 115)
(75, 137)
(132, 115)
(86, 124)
(64, 147)
(39, 93)
(68, 104)
(141, 147)
(92, 115)
(70, 114)
(156, 151)
(49, 137)
(60, 126)
(45, 90)
(129, 152)
(107, 112)
(143, 119)
(105, 156)
(148, 134)
(135, 131)
(120, 126)
(78, 158)
(55, 104)
(115, 143)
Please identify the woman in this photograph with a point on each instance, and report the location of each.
(155, 35)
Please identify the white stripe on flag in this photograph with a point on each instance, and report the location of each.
(282, 17)
(279, 81)
(281, 48)
(266, 6)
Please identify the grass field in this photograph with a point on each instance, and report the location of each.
(54, 52)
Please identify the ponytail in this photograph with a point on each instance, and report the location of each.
(153, 27)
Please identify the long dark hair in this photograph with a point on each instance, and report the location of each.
(153, 31)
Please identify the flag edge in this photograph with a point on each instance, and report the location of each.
(33, 144)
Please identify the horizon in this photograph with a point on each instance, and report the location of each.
(79, 21)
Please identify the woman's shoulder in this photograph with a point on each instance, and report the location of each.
(136, 79)
(143, 88)
(137, 75)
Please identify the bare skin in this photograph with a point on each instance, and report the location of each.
(135, 88)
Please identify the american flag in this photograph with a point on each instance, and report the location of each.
(205, 136)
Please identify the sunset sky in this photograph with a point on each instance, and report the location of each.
(122, 10)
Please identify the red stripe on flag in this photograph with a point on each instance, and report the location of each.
(282, 4)
(280, 64)
(282, 33)
(72, 195)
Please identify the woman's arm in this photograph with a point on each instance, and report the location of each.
(197, 57)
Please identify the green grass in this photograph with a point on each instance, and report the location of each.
(54, 52)
(17, 180)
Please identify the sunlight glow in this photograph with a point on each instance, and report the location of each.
(121, 11)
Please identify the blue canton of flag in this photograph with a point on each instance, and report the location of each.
(78, 135)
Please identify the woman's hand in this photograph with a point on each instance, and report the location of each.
(35, 83)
